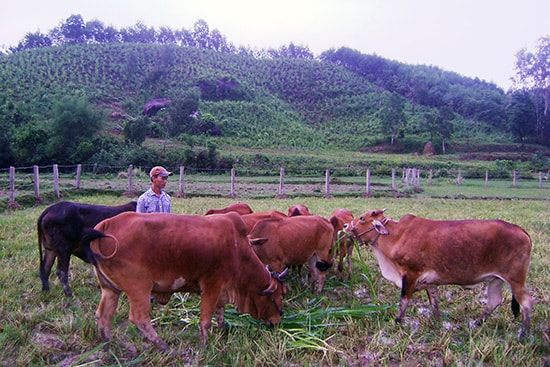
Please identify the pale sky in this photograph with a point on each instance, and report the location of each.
(475, 38)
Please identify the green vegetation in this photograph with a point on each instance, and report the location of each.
(349, 323)
(86, 93)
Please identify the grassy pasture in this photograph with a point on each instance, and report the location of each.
(349, 324)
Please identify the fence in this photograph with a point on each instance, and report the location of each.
(130, 181)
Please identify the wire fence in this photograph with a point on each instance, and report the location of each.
(33, 183)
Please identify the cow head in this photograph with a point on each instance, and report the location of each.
(368, 226)
(269, 303)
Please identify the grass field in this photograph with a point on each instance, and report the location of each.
(349, 324)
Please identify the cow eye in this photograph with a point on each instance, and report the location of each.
(362, 219)
(374, 213)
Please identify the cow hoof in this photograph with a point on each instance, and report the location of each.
(161, 345)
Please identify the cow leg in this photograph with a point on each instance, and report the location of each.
(105, 312)
(220, 317)
(494, 298)
(46, 265)
(433, 297)
(407, 290)
(62, 272)
(209, 303)
(140, 308)
(314, 273)
(521, 294)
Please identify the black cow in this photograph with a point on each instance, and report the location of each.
(60, 229)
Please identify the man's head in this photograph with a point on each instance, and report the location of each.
(159, 176)
(159, 171)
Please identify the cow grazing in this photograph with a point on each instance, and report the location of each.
(298, 209)
(417, 253)
(241, 208)
(60, 228)
(343, 246)
(295, 241)
(159, 254)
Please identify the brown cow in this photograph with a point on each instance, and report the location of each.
(417, 253)
(343, 246)
(250, 220)
(241, 208)
(60, 228)
(298, 209)
(295, 241)
(160, 254)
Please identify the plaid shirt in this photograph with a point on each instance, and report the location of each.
(149, 202)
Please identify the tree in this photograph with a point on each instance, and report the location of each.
(391, 114)
(135, 130)
(183, 112)
(521, 115)
(75, 122)
(33, 40)
(73, 30)
(201, 34)
(438, 122)
(533, 73)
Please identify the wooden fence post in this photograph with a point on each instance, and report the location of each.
(540, 180)
(393, 184)
(56, 181)
(281, 193)
(181, 183)
(430, 178)
(367, 193)
(232, 193)
(487, 178)
(78, 173)
(12, 184)
(36, 181)
(459, 178)
(131, 177)
(327, 184)
(515, 180)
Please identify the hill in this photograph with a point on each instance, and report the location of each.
(343, 100)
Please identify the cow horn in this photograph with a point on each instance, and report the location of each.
(281, 276)
(384, 210)
(379, 227)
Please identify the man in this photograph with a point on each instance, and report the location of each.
(155, 199)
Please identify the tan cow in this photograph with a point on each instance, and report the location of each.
(343, 246)
(160, 254)
(417, 253)
(241, 208)
(294, 241)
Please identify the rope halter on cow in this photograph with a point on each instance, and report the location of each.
(357, 236)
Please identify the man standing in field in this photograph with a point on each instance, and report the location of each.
(155, 199)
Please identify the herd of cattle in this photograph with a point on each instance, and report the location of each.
(240, 257)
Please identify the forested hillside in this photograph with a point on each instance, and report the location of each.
(102, 102)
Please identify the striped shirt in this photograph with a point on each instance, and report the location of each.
(149, 202)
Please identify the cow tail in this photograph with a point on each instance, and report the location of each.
(515, 307)
(40, 242)
(93, 234)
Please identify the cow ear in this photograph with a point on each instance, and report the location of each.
(257, 241)
(379, 227)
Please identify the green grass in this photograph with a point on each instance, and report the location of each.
(349, 324)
